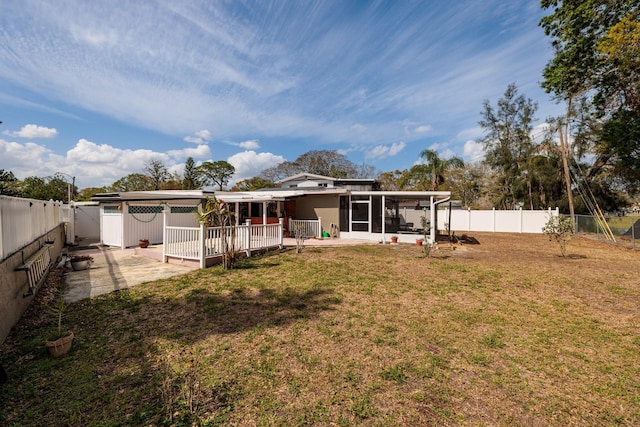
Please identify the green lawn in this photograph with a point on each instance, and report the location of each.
(622, 224)
(503, 333)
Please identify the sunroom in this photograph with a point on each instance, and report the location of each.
(381, 214)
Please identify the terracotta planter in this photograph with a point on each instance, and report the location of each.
(418, 242)
(81, 262)
(394, 240)
(79, 265)
(61, 346)
(143, 243)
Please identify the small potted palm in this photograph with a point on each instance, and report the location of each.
(59, 342)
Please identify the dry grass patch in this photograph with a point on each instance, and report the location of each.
(503, 333)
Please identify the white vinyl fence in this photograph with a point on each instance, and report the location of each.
(203, 243)
(499, 221)
(24, 220)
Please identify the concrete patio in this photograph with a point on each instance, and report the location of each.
(116, 269)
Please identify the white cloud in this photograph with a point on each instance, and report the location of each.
(200, 152)
(471, 133)
(23, 159)
(473, 151)
(33, 131)
(101, 164)
(422, 129)
(539, 131)
(251, 144)
(94, 37)
(88, 157)
(438, 146)
(359, 128)
(200, 137)
(96, 165)
(384, 151)
(396, 148)
(249, 163)
(447, 154)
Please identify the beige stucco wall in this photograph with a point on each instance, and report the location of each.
(326, 207)
(13, 284)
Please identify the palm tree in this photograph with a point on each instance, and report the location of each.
(434, 167)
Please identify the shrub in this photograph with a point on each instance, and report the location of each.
(561, 230)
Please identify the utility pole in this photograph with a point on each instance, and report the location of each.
(564, 152)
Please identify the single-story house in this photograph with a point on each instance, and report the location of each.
(344, 208)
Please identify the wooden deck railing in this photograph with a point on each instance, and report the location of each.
(305, 227)
(203, 243)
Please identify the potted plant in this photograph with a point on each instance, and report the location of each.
(394, 240)
(419, 242)
(80, 262)
(143, 243)
(59, 343)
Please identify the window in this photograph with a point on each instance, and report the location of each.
(360, 206)
(145, 209)
(183, 209)
(376, 214)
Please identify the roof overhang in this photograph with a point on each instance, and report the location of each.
(305, 176)
(276, 194)
(136, 196)
(405, 194)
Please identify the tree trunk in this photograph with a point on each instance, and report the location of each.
(564, 151)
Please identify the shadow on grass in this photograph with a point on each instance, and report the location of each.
(241, 310)
(117, 333)
(246, 265)
(198, 314)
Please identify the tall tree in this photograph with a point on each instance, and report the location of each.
(433, 168)
(619, 51)
(327, 163)
(157, 173)
(216, 173)
(133, 182)
(394, 180)
(319, 162)
(509, 146)
(252, 184)
(9, 184)
(86, 194)
(597, 53)
(467, 183)
(48, 188)
(190, 179)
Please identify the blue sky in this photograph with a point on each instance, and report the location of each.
(96, 89)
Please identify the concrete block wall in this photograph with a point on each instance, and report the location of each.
(13, 284)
